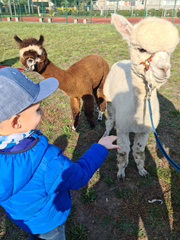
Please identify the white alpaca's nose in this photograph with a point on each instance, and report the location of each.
(164, 67)
(162, 61)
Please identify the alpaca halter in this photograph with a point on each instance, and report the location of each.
(146, 63)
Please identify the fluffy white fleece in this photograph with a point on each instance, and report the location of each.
(126, 87)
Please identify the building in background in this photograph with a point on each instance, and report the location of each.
(135, 4)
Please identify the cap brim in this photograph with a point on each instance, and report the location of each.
(47, 87)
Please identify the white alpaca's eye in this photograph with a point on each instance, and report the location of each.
(141, 50)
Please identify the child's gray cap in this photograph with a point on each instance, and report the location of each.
(17, 92)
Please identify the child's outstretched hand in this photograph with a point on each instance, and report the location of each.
(107, 142)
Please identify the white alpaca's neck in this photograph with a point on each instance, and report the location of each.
(140, 84)
(140, 90)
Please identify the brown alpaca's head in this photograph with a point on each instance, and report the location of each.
(32, 54)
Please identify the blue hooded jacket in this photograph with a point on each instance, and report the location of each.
(35, 182)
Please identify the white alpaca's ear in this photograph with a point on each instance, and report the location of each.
(123, 26)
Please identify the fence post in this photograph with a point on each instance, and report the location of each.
(159, 7)
(174, 10)
(20, 10)
(55, 9)
(91, 12)
(144, 9)
(29, 8)
(66, 10)
(1, 10)
(117, 6)
(14, 8)
(79, 9)
(42, 11)
(10, 7)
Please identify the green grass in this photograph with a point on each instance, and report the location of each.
(75, 230)
(106, 208)
(88, 195)
(108, 180)
(120, 193)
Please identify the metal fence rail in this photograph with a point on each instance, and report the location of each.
(81, 8)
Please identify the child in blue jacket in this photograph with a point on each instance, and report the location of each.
(36, 178)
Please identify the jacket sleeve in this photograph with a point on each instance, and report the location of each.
(63, 174)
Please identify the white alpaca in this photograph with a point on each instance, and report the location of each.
(126, 86)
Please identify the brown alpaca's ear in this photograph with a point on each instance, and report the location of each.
(41, 39)
(17, 39)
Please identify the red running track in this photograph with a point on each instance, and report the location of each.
(71, 20)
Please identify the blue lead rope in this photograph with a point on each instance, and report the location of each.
(159, 143)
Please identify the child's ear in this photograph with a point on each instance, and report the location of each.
(16, 123)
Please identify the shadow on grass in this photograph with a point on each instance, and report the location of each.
(117, 213)
(10, 231)
(120, 209)
(169, 132)
(9, 62)
(61, 142)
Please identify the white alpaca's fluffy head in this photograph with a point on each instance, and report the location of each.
(155, 34)
(150, 36)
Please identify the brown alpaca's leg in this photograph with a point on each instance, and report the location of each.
(100, 98)
(100, 94)
(88, 104)
(95, 96)
(75, 109)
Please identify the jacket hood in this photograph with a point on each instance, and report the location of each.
(17, 168)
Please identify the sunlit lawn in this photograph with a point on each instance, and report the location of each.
(106, 208)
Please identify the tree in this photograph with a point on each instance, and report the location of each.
(59, 3)
(6, 2)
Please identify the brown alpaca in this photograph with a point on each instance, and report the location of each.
(81, 80)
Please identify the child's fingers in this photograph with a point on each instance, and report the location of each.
(108, 142)
(116, 147)
(113, 137)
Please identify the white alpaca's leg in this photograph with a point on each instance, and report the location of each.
(110, 119)
(123, 153)
(140, 141)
